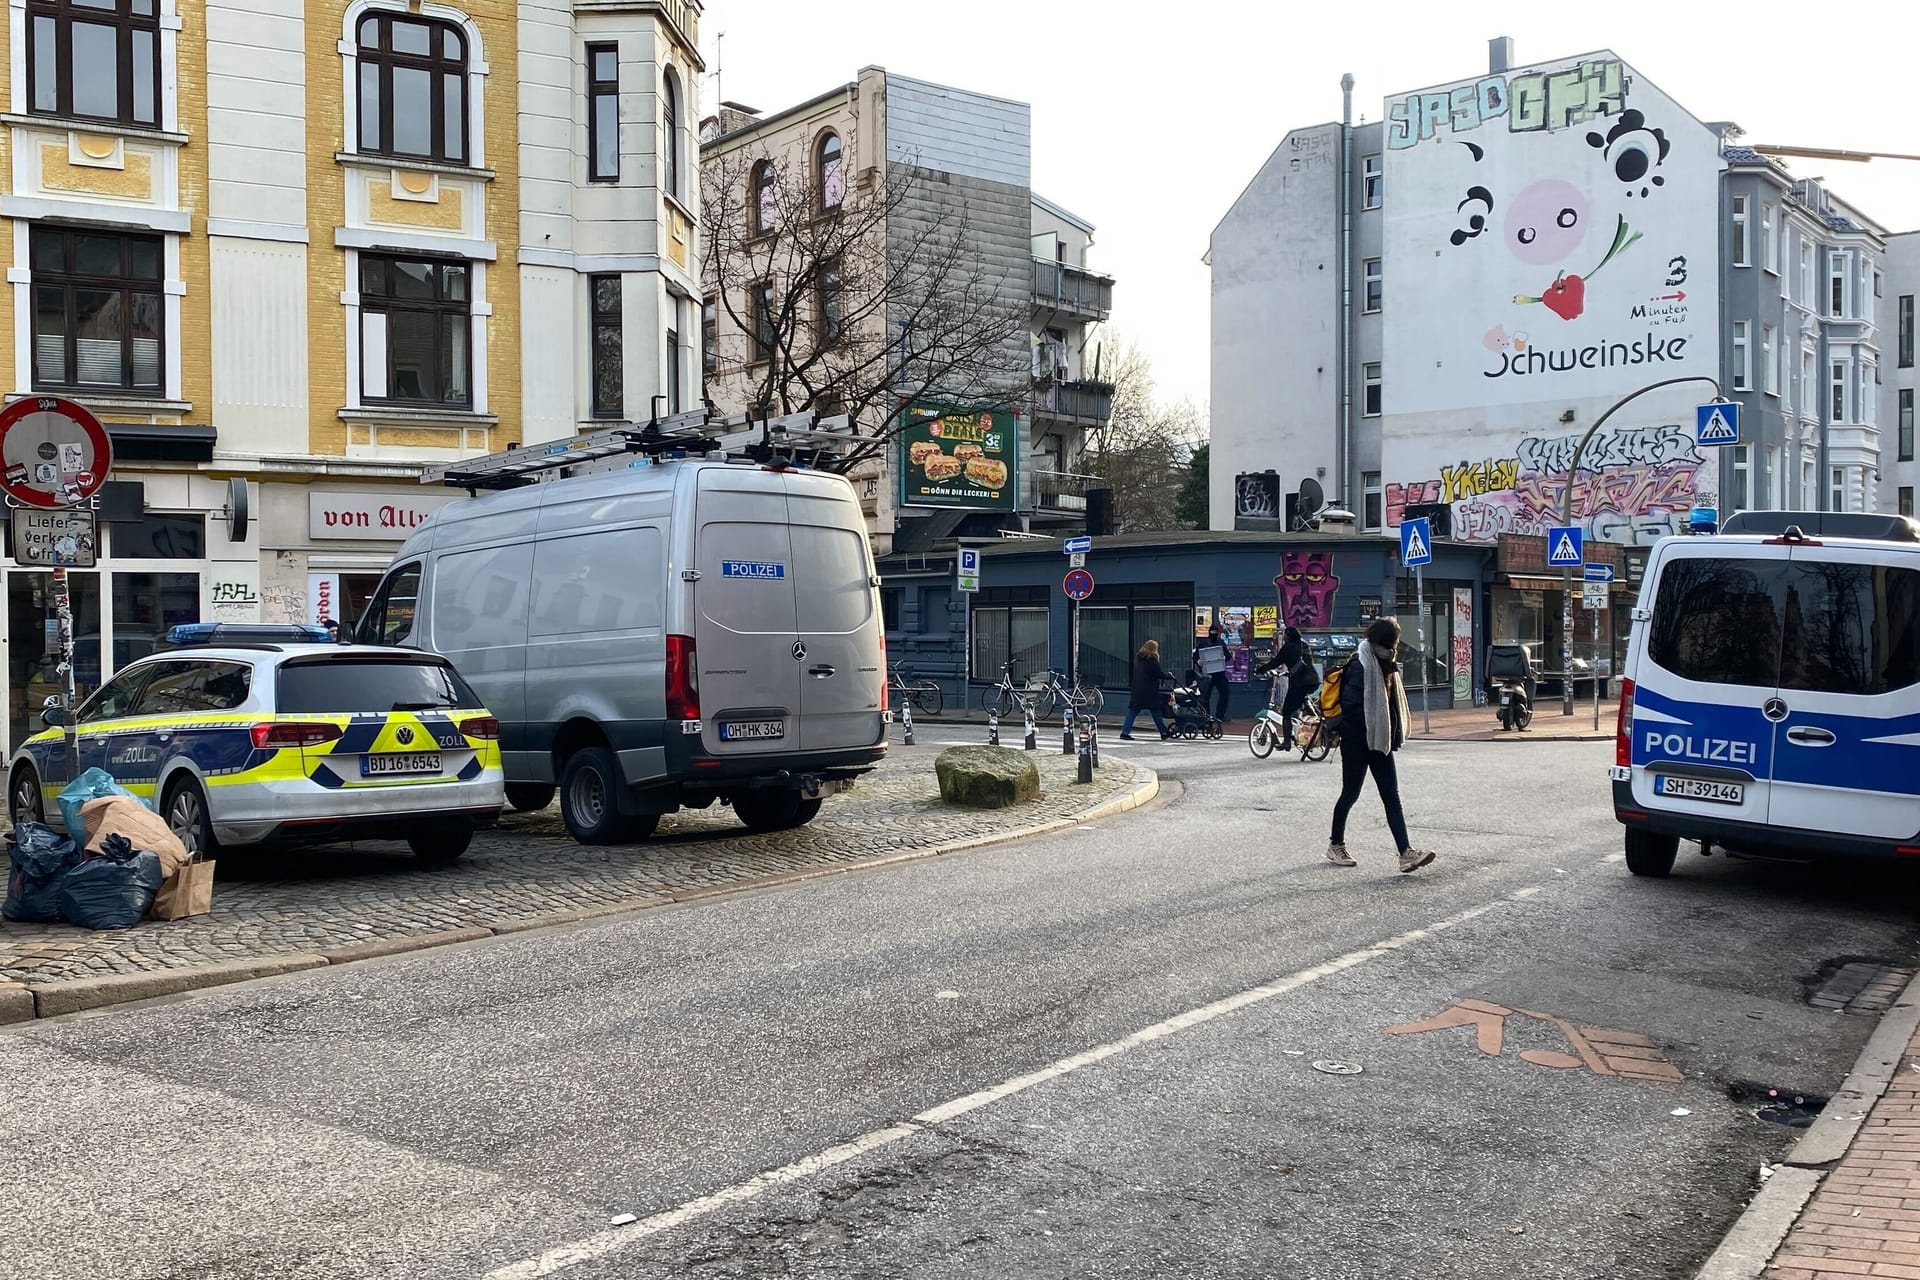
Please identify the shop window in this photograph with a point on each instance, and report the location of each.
(94, 60)
(609, 370)
(1020, 634)
(98, 314)
(415, 332)
(413, 88)
(161, 537)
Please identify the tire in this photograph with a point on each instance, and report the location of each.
(1522, 716)
(441, 843)
(1043, 703)
(1650, 853)
(1506, 718)
(774, 810)
(589, 799)
(187, 816)
(528, 797)
(25, 801)
(1216, 730)
(1092, 701)
(1260, 739)
(927, 699)
(997, 699)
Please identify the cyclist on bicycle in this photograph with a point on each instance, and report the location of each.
(1302, 679)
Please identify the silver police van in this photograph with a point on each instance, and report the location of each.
(656, 636)
(1771, 700)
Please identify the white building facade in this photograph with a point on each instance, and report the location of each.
(1899, 474)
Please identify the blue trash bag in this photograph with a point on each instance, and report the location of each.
(102, 893)
(90, 785)
(37, 857)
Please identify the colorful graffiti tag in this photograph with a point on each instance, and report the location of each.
(1307, 585)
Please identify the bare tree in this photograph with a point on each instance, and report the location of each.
(848, 299)
(1145, 452)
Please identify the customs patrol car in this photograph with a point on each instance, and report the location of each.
(237, 739)
(1772, 699)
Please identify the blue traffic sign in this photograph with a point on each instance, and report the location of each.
(1598, 573)
(1717, 423)
(1077, 546)
(969, 560)
(1566, 546)
(1416, 542)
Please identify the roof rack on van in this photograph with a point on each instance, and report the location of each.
(1870, 525)
(794, 439)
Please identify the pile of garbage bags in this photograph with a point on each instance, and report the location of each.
(110, 878)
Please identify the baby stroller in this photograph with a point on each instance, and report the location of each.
(1188, 716)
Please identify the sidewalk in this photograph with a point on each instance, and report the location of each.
(1459, 724)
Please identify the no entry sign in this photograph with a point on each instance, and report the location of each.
(53, 452)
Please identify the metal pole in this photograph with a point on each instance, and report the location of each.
(1426, 634)
(1566, 518)
(1595, 660)
(63, 611)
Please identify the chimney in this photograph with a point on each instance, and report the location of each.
(1499, 54)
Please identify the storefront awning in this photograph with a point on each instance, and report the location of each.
(1532, 582)
(140, 442)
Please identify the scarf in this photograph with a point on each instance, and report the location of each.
(1381, 717)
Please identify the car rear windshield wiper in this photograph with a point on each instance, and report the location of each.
(422, 706)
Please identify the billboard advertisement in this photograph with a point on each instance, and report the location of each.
(951, 457)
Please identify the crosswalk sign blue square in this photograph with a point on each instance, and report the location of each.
(1717, 423)
(1416, 542)
(1566, 546)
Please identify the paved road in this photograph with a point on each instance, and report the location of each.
(1108, 1036)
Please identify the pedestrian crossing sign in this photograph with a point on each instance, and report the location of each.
(1717, 423)
(1566, 545)
(1416, 542)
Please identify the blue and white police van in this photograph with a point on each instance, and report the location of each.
(1770, 704)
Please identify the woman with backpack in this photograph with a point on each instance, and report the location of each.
(1373, 725)
(1145, 694)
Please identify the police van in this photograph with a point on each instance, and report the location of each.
(1770, 704)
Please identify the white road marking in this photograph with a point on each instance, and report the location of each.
(1614, 857)
(605, 1242)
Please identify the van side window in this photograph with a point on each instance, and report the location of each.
(839, 594)
(389, 616)
(1719, 621)
(1851, 628)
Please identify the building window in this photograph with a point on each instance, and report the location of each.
(1741, 376)
(415, 332)
(413, 88)
(709, 335)
(760, 309)
(98, 311)
(1769, 367)
(1837, 385)
(764, 198)
(94, 59)
(1837, 285)
(1905, 331)
(670, 133)
(1768, 252)
(1370, 396)
(1739, 245)
(1370, 182)
(1806, 275)
(1371, 508)
(1906, 499)
(1740, 466)
(603, 114)
(1864, 398)
(1906, 424)
(609, 371)
(1370, 273)
(830, 172)
(830, 318)
(673, 371)
(1837, 490)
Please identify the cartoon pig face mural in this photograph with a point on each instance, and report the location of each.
(1307, 585)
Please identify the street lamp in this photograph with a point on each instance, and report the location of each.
(1566, 518)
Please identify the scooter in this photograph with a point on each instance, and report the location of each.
(1512, 677)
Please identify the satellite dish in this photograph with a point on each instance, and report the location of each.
(1312, 498)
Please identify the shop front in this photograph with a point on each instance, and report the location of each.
(1527, 601)
(327, 546)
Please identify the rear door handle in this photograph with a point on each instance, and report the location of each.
(821, 672)
(1806, 735)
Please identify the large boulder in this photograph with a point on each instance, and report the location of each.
(986, 777)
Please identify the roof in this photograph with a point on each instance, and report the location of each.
(1061, 213)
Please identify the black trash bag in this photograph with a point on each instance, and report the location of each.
(117, 847)
(38, 856)
(101, 893)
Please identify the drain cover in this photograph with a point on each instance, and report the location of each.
(1793, 1108)
(1334, 1068)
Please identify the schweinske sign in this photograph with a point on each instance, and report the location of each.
(369, 517)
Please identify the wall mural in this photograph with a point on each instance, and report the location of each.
(1307, 585)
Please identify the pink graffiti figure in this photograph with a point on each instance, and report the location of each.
(1307, 585)
(1546, 222)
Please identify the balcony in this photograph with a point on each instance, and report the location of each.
(1058, 491)
(1079, 404)
(1063, 290)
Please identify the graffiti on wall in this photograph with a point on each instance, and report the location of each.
(1528, 102)
(1635, 486)
(1256, 495)
(1307, 585)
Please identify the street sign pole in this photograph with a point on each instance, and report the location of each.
(63, 612)
(1595, 660)
(1426, 633)
(1566, 642)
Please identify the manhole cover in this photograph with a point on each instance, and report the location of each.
(1790, 1107)
(1333, 1068)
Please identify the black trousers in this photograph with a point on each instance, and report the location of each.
(1289, 708)
(1217, 688)
(1356, 762)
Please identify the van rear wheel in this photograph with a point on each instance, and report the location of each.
(775, 810)
(526, 797)
(1651, 854)
(590, 800)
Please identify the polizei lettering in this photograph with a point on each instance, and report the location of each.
(752, 569)
(1601, 355)
(1682, 746)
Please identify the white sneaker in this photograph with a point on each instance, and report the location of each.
(1414, 859)
(1338, 856)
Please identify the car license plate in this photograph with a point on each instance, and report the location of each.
(391, 764)
(1699, 789)
(752, 730)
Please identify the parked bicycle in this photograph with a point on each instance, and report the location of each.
(1043, 693)
(925, 694)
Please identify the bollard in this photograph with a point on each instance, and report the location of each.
(1066, 733)
(1030, 744)
(993, 727)
(906, 722)
(1093, 733)
(1085, 773)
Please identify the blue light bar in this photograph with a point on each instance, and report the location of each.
(194, 633)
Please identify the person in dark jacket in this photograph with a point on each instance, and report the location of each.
(1302, 680)
(1145, 694)
(1373, 725)
(1215, 683)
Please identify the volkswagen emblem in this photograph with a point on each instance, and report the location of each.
(799, 650)
(1774, 710)
(404, 734)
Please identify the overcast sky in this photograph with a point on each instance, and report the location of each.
(1148, 120)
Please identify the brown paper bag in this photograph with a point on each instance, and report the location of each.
(187, 892)
(117, 815)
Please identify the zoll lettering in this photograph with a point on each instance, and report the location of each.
(1679, 746)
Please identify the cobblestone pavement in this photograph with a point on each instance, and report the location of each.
(320, 900)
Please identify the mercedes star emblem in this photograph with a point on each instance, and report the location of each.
(1774, 710)
(799, 650)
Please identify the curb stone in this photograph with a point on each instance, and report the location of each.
(1759, 1231)
(21, 1004)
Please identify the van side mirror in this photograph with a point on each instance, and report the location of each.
(55, 717)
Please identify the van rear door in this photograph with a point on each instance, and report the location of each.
(745, 644)
(838, 618)
(1707, 673)
(1848, 760)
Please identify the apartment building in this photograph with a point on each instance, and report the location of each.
(879, 250)
(1899, 475)
(309, 247)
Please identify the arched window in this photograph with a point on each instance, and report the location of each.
(670, 123)
(413, 87)
(766, 199)
(830, 171)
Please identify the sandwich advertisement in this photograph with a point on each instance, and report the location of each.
(952, 457)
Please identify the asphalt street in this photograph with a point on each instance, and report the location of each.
(1098, 1054)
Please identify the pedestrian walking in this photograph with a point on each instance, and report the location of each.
(1210, 665)
(1145, 694)
(1373, 725)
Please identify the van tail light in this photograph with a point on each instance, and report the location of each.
(481, 727)
(283, 734)
(683, 684)
(1623, 727)
(883, 671)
